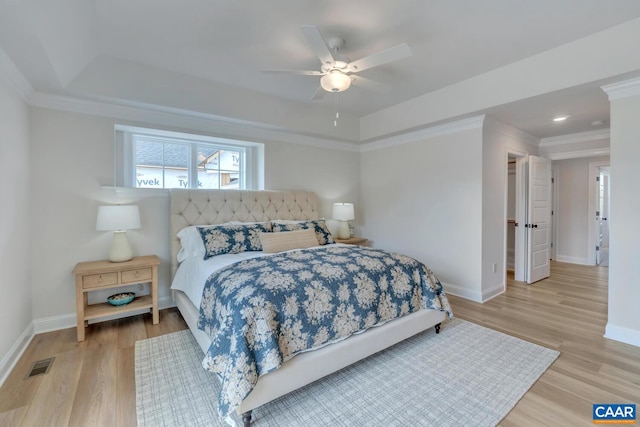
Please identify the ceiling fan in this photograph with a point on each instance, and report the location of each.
(336, 70)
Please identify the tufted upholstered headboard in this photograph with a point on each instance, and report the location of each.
(205, 207)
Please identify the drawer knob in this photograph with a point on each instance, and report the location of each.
(137, 273)
(100, 278)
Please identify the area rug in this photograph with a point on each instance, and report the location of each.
(467, 375)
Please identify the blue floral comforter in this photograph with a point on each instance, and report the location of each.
(261, 312)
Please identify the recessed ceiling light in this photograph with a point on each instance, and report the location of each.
(597, 122)
(560, 119)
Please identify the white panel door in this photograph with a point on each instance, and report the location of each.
(605, 209)
(539, 219)
(599, 217)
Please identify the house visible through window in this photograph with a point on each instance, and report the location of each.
(161, 159)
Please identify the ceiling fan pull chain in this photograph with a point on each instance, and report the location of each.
(335, 121)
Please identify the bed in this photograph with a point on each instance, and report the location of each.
(190, 208)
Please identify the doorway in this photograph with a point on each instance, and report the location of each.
(602, 217)
(511, 214)
(515, 214)
(600, 221)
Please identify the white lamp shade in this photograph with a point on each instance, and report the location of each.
(118, 217)
(335, 81)
(343, 211)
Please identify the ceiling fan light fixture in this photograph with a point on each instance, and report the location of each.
(341, 64)
(335, 81)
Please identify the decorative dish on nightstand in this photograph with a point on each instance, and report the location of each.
(121, 299)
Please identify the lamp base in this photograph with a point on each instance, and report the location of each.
(120, 248)
(343, 231)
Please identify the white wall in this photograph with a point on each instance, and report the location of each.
(75, 158)
(573, 216)
(624, 269)
(333, 175)
(424, 199)
(15, 227)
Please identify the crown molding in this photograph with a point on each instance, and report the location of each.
(14, 77)
(173, 117)
(623, 89)
(427, 133)
(592, 135)
(594, 152)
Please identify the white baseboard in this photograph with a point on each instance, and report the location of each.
(493, 292)
(622, 334)
(15, 352)
(64, 321)
(451, 289)
(474, 296)
(573, 260)
(56, 323)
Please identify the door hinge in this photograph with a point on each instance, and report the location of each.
(597, 248)
(552, 180)
(551, 244)
(597, 179)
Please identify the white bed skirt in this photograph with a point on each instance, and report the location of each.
(310, 366)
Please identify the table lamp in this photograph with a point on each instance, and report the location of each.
(343, 212)
(119, 219)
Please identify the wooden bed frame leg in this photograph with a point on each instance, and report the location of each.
(438, 328)
(246, 419)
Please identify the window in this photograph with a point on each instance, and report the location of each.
(161, 159)
(170, 163)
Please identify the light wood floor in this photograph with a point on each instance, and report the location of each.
(566, 312)
(92, 383)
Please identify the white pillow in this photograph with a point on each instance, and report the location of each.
(191, 244)
(288, 240)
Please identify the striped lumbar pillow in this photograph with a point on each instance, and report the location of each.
(287, 240)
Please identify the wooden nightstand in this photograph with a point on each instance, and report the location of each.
(351, 240)
(98, 275)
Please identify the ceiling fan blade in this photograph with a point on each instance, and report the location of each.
(382, 57)
(319, 94)
(369, 84)
(318, 44)
(298, 72)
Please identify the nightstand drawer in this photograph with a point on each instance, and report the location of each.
(95, 280)
(138, 275)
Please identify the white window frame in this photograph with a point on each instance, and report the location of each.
(251, 159)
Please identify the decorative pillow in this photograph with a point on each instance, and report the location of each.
(322, 232)
(233, 238)
(191, 242)
(287, 240)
